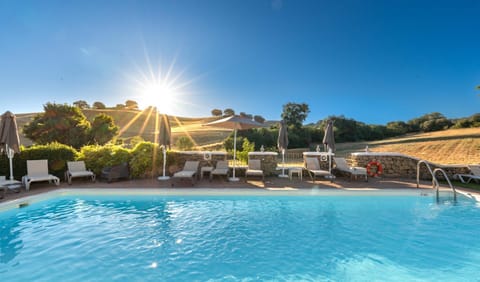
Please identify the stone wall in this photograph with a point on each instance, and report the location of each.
(269, 161)
(399, 165)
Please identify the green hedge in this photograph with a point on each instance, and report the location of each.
(57, 155)
(145, 159)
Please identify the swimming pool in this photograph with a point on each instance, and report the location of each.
(153, 237)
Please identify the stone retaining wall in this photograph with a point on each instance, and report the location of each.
(399, 165)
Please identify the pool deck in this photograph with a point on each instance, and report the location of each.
(270, 184)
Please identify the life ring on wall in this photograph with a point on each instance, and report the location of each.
(207, 156)
(374, 168)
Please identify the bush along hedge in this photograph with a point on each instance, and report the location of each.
(145, 159)
(57, 155)
(97, 157)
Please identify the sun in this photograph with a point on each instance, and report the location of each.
(160, 95)
(164, 87)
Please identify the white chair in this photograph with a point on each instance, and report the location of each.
(474, 174)
(37, 171)
(254, 169)
(77, 169)
(314, 170)
(189, 171)
(341, 165)
(220, 169)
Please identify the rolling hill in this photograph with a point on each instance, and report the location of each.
(453, 146)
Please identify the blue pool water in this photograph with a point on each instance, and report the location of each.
(241, 238)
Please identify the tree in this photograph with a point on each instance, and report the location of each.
(99, 105)
(61, 123)
(430, 122)
(120, 106)
(295, 114)
(396, 128)
(184, 143)
(228, 112)
(103, 129)
(217, 112)
(258, 118)
(131, 105)
(245, 115)
(81, 104)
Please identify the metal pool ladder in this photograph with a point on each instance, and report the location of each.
(435, 183)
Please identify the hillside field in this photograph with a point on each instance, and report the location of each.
(453, 146)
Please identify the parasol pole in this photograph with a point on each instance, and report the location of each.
(233, 178)
(164, 177)
(283, 164)
(10, 154)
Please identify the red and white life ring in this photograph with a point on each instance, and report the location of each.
(374, 168)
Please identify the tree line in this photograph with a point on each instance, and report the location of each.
(67, 124)
(345, 129)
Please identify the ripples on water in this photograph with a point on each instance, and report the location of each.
(242, 238)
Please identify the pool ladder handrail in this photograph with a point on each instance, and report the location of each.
(435, 183)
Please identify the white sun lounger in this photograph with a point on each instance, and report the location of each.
(474, 174)
(254, 169)
(77, 169)
(220, 169)
(189, 171)
(37, 171)
(313, 168)
(341, 165)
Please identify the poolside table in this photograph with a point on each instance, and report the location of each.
(12, 185)
(295, 170)
(205, 169)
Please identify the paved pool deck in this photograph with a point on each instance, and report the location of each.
(270, 184)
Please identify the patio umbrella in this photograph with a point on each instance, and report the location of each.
(329, 137)
(9, 141)
(164, 138)
(329, 142)
(282, 144)
(235, 123)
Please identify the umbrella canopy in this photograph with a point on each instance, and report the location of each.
(9, 133)
(329, 138)
(165, 132)
(9, 141)
(235, 123)
(282, 141)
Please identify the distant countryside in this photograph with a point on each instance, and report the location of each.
(453, 145)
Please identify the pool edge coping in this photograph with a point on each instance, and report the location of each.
(25, 201)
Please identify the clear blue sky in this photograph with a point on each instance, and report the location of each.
(373, 61)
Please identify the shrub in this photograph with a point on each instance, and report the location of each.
(97, 157)
(246, 148)
(57, 155)
(184, 143)
(145, 158)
